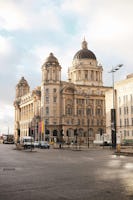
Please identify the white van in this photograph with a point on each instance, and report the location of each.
(27, 142)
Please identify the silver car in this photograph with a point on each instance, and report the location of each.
(36, 144)
(44, 145)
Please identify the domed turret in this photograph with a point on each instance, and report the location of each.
(84, 53)
(22, 88)
(51, 70)
(51, 59)
(22, 82)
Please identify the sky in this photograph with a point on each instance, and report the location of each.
(31, 29)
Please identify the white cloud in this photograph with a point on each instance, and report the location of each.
(5, 45)
(20, 16)
(11, 16)
(81, 7)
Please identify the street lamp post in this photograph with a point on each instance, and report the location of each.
(113, 110)
(88, 136)
(88, 128)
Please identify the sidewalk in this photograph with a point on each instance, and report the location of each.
(79, 147)
(125, 150)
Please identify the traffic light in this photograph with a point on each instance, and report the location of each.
(19, 132)
(47, 132)
(75, 132)
(67, 133)
(32, 132)
(101, 132)
(29, 131)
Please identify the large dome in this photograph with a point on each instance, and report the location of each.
(84, 53)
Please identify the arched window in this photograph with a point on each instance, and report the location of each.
(78, 121)
(98, 111)
(54, 90)
(86, 75)
(47, 90)
(89, 111)
(69, 110)
(55, 132)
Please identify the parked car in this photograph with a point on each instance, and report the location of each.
(36, 144)
(8, 139)
(27, 142)
(44, 145)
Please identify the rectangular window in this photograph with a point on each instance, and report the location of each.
(47, 90)
(119, 100)
(72, 121)
(120, 123)
(132, 121)
(131, 98)
(86, 76)
(46, 122)
(79, 112)
(47, 110)
(124, 133)
(54, 99)
(125, 122)
(131, 109)
(124, 99)
(47, 99)
(125, 110)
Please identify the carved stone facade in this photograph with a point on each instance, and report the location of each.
(70, 110)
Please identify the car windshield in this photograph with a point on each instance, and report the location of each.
(28, 140)
(44, 142)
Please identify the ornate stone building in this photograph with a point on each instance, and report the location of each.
(69, 110)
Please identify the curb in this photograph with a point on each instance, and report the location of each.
(124, 153)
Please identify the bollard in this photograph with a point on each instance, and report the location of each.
(118, 148)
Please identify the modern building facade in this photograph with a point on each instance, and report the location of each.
(72, 110)
(124, 109)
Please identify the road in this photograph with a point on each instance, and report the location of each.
(57, 174)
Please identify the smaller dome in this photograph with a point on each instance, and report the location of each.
(84, 53)
(51, 59)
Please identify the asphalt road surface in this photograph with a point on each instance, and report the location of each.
(57, 174)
